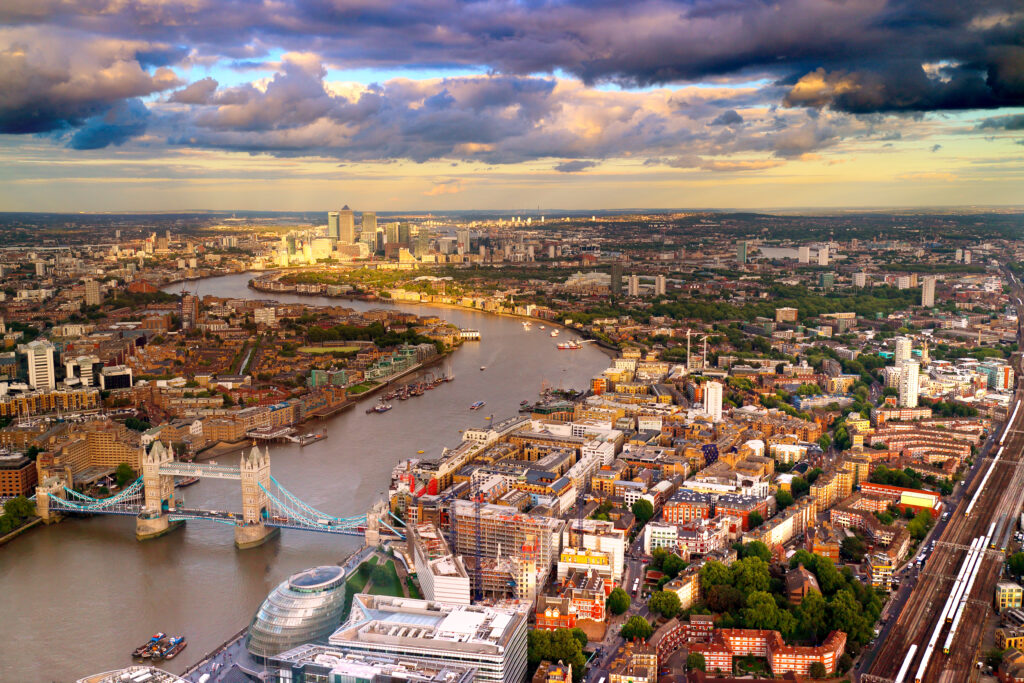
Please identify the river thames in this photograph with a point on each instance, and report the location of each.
(77, 597)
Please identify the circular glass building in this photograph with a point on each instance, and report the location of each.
(303, 609)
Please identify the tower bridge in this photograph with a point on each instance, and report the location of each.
(267, 507)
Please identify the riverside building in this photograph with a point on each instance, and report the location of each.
(490, 639)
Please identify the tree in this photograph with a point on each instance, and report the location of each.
(558, 644)
(846, 614)
(755, 549)
(919, 526)
(695, 662)
(580, 635)
(19, 509)
(723, 598)
(853, 548)
(124, 474)
(618, 601)
(714, 574)
(761, 611)
(1016, 564)
(658, 556)
(665, 603)
(799, 487)
(755, 519)
(637, 627)
(812, 616)
(783, 498)
(825, 441)
(750, 574)
(672, 565)
(818, 670)
(642, 510)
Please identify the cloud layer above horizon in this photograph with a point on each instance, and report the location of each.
(704, 88)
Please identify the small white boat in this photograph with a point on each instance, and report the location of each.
(554, 333)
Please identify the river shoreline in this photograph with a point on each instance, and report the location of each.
(610, 351)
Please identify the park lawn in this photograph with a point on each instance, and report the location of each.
(357, 582)
(362, 387)
(392, 587)
(328, 349)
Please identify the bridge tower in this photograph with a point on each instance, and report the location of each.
(159, 494)
(54, 487)
(374, 516)
(255, 475)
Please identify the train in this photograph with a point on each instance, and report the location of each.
(956, 602)
(995, 461)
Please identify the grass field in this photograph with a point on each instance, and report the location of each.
(362, 387)
(390, 587)
(328, 349)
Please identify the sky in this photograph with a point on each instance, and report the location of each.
(136, 105)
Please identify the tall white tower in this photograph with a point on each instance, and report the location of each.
(713, 400)
(903, 351)
(928, 291)
(909, 385)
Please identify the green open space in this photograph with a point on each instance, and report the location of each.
(362, 387)
(328, 349)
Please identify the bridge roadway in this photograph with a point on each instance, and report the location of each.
(179, 468)
(1004, 492)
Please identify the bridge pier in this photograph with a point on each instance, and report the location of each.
(253, 535)
(255, 475)
(147, 527)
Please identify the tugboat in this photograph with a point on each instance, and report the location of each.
(177, 645)
(172, 647)
(148, 645)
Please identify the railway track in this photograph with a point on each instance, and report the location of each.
(939, 631)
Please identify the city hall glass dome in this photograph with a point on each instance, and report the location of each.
(307, 607)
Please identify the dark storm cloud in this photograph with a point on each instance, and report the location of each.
(52, 80)
(64, 63)
(1013, 122)
(119, 124)
(643, 43)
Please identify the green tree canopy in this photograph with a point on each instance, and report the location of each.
(124, 474)
(637, 627)
(642, 510)
(695, 662)
(750, 574)
(714, 573)
(559, 644)
(755, 549)
(618, 601)
(665, 603)
(812, 616)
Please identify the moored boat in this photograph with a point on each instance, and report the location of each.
(156, 638)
